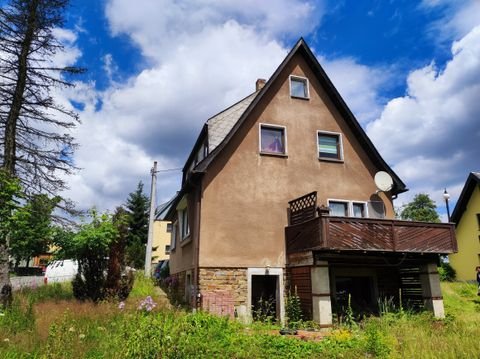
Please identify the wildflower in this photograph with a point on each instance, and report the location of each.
(147, 304)
(71, 329)
(6, 340)
(81, 336)
(121, 305)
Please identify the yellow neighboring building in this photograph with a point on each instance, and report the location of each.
(466, 216)
(161, 240)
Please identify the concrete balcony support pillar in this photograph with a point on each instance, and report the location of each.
(431, 291)
(322, 305)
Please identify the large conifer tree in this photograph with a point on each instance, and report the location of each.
(138, 209)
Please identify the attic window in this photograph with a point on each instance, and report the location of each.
(330, 146)
(299, 87)
(273, 139)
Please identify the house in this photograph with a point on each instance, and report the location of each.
(466, 217)
(162, 230)
(278, 193)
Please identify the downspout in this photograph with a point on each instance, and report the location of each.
(198, 295)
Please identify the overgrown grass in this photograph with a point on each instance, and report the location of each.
(49, 323)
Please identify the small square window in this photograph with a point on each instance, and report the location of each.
(169, 227)
(272, 140)
(330, 146)
(338, 208)
(299, 87)
(359, 210)
(167, 249)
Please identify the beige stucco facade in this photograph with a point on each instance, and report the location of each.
(237, 199)
(245, 194)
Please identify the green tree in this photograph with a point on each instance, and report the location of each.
(137, 210)
(33, 230)
(91, 246)
(119, 282)
(422, 208)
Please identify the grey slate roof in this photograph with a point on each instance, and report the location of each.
(471, 183)
(221, 124)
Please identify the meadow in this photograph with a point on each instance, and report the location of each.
(47, 322)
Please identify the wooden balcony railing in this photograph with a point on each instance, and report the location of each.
(368, 234)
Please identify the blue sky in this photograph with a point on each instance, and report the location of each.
(157, 70)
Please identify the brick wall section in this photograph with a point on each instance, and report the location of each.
(223, 289)
(180, 289)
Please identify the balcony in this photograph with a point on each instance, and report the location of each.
(311, 229)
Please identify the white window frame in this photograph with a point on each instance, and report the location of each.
(276, 127)
(350, 206)
(184, 230)
(304, 80)
(365, 208)
(347, 202)
(173, 240)
(340, 142)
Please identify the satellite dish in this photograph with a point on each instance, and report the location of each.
(383, 181)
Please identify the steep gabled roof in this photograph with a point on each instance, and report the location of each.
(473, 181)
(162, 210)
(302, 48)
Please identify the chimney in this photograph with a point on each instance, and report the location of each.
(259, 84)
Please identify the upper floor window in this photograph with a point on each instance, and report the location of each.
(184, 225)
(273, 139)
(299, 87)
(359, 209)
(338, 208)
(330, 146)
(478, 220)
(169, 227)
(173, 241)
(348, 208)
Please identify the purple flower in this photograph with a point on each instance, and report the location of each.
(121, 305)
(147, 304)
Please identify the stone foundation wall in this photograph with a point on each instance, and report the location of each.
(224, 290)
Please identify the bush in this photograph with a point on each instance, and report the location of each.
(293, 310)
(446, 272)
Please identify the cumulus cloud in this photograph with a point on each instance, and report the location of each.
(158, 27)
(360, 85)
(459, 18)
(203, 56)
(431, 134)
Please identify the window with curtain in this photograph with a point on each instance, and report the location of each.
(272, 139)
(338, 208)
(329, 146)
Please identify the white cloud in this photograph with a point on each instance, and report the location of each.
(159, 27)
(460, 17)
(204, 56)
(432, 133)
(359, 85)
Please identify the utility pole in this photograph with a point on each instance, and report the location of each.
(148, 252)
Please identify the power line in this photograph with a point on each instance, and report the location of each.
(169, 169)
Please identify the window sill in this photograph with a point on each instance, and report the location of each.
(273, 154)
(330, 159)
(185, 241)
(300, 98)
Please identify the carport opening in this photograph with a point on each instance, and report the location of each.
(361, 294)
(265, 297)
